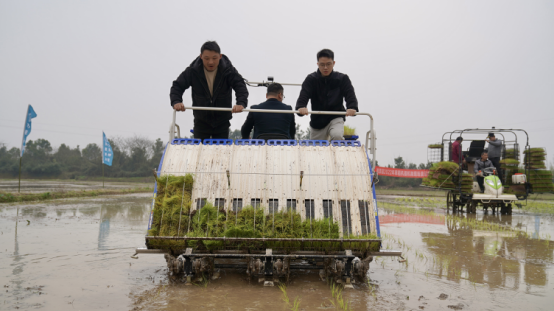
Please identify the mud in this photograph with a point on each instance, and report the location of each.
(75, 255)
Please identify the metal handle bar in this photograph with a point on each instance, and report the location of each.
(267, 83)
(370, 135)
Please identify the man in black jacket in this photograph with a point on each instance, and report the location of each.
(211, 76)
(270, 123)
(327, 89)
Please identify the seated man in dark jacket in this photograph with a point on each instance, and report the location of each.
(212, 78)
(270, 123)
(480, 165)
(326, 89)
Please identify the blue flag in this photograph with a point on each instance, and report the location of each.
(107, 152)
(30, 115)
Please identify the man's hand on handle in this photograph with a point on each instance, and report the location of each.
(237, 108)
(350, 112)
(303, 111)
(179, 107)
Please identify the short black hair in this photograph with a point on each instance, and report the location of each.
(274, 89)
(460, 138)
(325, 53)
(484, 152)
(210, 46)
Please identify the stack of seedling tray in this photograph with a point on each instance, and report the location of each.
(540, 180)
(446, 175)
(538, 176)
(435, 146)
(534, 158)
(173, 216)
(511, 153)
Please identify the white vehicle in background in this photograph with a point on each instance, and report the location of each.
(495, 196)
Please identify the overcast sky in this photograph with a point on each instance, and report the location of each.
(421, 68)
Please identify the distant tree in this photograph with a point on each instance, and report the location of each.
(301, 134)
(157, 152)
(235, 134)
(399, 163)
(423, 166)
(93, 153)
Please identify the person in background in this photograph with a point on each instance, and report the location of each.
(326, 89)
(212, 77)
(270, 123)
(480, 165)
(495, 151)
(457, 150)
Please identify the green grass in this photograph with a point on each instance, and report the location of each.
(400, 208)
(7, 197)
(537, 207)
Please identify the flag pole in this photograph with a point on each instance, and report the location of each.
(22, 145)
(102, 153)
(19, 188)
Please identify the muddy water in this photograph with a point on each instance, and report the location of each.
(64, 185)
(75, 255)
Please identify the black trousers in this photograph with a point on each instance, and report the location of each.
(496, 162)
(480, 181)
(206, 134)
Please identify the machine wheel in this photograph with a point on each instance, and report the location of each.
(468, 206)
(473, 207)
(509, 209)
(449, 201)
(503, 208)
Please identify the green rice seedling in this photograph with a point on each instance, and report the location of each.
(203, 282)
(349, 131)
(283, 289)
(173, 211)
(338, 300)
(435, 146)
(296, 304)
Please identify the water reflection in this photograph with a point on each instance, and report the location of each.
(498, 259)
(104, 230)
(110, 211)
(34, 212)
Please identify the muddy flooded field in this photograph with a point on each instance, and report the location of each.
(33, 186)
(76, 255)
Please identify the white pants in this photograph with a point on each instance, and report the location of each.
(334, 130)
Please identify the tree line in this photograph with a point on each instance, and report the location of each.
(133, 157)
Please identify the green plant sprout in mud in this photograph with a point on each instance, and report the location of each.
(295, 304)
(283, 289)
(372, 289)
(401, 209)
(203, 282)
(338, 301)
(421, 202)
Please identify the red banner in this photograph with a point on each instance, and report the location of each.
(399, 172)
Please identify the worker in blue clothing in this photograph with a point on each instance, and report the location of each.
(270, 123)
